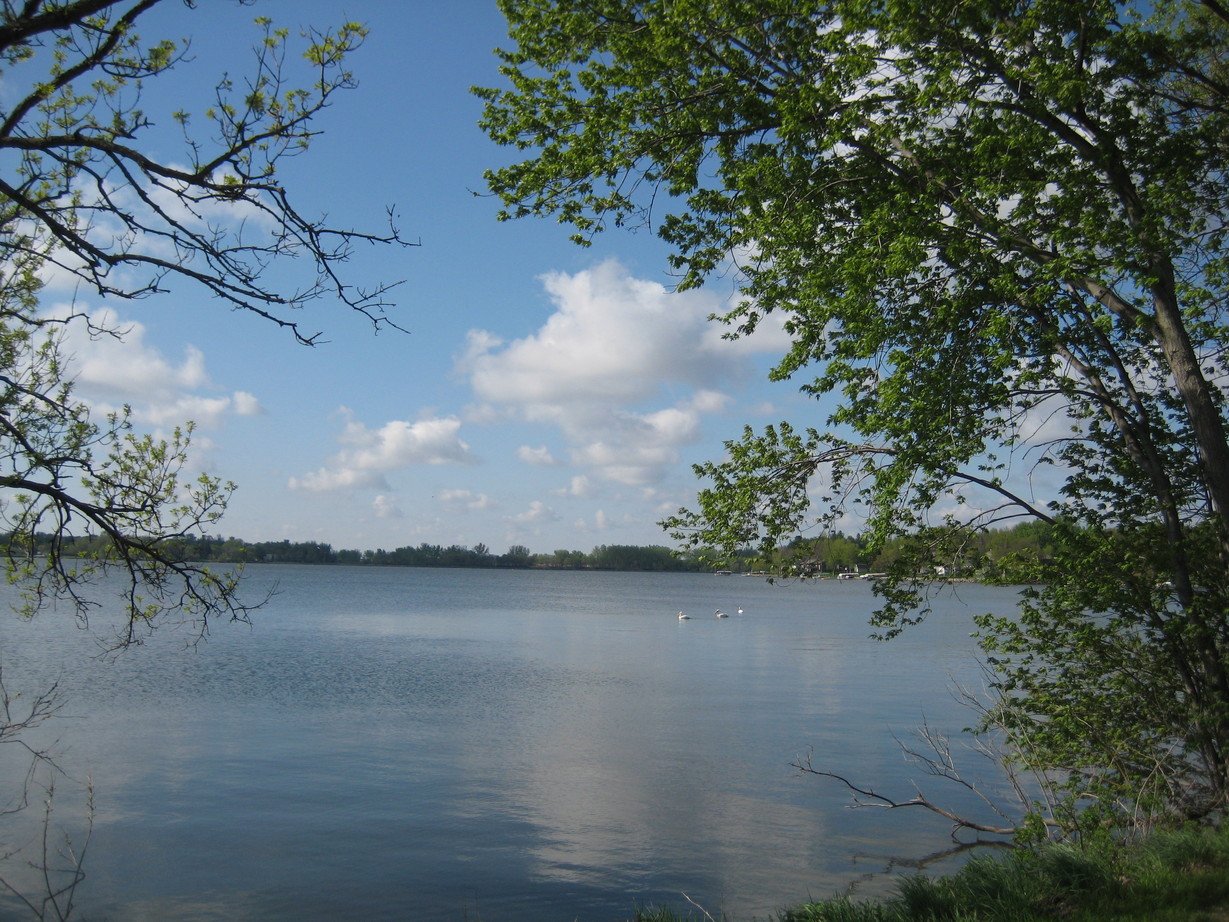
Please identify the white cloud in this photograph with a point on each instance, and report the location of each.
(397, 444)
(246, 405)
(342, 478)
(580, 486)
(626, 462)
(601, 522)
(120, 368)
(638, 449)
(477, 344)
(626, 369)
(385, 507)
(709, 402)
(537, 513)
(611, 338)
(120, 362)
(466, 499)
(536, 457)
(206, 412)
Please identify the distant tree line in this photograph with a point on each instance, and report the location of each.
(982, 555)
(829, 555)
(216, 549)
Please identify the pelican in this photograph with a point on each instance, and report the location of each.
(683, 617)
(740, 611)
(720, 614)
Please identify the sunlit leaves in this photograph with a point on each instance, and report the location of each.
(91, 194)
(996, 237)
(66, 476)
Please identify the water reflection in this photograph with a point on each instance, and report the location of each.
(510, 745)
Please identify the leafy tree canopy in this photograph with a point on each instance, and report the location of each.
(85, 195)
(996, 234)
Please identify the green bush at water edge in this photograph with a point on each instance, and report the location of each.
(1174, 876)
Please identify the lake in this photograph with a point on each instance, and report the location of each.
(505, 746)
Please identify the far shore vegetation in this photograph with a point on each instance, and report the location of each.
(827, 556)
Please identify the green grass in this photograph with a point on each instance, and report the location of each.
(1177, 876)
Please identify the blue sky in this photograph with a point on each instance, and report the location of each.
(545, 395)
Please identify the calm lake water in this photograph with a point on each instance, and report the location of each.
(501, 746)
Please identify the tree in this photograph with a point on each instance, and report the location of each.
(518, 556)
(83, 195)
(996, 233)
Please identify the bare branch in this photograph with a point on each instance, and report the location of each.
(865, 797)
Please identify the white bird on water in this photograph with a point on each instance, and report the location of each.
(683, 617)
(720, 614)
